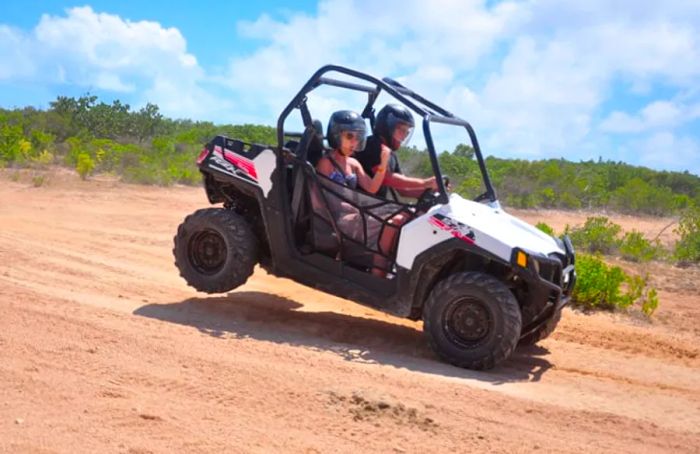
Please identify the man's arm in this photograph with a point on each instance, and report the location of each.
(409, 186)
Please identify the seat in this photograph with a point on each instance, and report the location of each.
(308, 151)
(315, 150)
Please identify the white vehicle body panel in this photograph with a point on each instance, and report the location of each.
(265, 164)
(488, 227)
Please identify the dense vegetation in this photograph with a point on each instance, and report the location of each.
(140, 145)
(601, 286)
(558, 183)
(143, 146)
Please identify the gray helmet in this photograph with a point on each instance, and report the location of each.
(343, 121)
(388, 118)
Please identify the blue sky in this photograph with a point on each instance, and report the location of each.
(537, 79)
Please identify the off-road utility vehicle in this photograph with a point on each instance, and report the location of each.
(481, 280)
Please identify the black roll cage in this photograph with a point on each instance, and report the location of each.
(429, 111)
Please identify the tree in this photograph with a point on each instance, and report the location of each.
(464, 151)
(146, 122)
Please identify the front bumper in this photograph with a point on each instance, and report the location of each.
(549, 283)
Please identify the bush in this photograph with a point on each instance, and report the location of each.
(600, 286)
(43, 159)
(597, 285)
(598, 235)
(545, 228)
(85, 165)
(635, 248)
(651, 302)
(688, 246)
(38, 180)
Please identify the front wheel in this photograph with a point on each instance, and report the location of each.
(215, 250)
(543, 331)
(472, 320)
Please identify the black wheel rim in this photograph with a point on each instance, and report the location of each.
(207, 251)
(467, 322)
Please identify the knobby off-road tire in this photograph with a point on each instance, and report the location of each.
(215, 250)
(543, 331)
(472, 320)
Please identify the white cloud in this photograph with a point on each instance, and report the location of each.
(622, 122)
(103, 51)
(15, 62)
(668, 151)
(109, 42)
(531, 77)
(388, 38)
(109, 81)
(539, 78)
(654, 116)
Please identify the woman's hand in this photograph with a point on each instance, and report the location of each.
(384, 156)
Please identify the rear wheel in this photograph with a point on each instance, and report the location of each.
(472, 320)
(215, 250)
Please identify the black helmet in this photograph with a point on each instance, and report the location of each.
(387, 119)
(346, 120)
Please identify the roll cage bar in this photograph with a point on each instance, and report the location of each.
(429, 111)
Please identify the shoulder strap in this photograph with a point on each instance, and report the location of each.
(335, 164)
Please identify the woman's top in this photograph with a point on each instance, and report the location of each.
(337, 175)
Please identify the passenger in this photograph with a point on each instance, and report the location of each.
(346, 135)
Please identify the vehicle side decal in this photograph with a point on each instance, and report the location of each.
(455, 228)
(242, 163)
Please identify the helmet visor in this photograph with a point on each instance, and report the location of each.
(356, 137)
(401, 131)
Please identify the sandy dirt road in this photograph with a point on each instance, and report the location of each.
(103, 348)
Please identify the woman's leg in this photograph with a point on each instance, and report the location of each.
(387, 243)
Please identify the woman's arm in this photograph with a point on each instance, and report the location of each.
(324, 166)
(373, 184)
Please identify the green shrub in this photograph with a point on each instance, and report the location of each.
(688, 246)
(85, 165)
(43, 159)
(597, 285)
(635, 248)
(600, 286)
(38, 180)
(651, 302)
(545, 228)
(569, 200)
(598, 235)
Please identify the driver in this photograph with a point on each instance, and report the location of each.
(392, 129)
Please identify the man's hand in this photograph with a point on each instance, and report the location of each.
(446, 181)
(430, 183)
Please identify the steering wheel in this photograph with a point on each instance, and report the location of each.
(481, 197)
(426, 199)
(446, 182)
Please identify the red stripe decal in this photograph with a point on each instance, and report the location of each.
(242, 163)
(454, 232)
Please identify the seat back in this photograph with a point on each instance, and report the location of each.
(315, 150)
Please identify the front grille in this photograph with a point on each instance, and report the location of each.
(550, 268)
